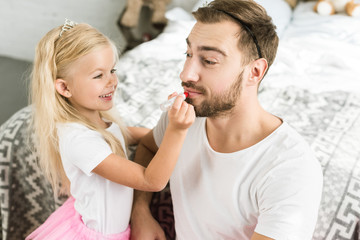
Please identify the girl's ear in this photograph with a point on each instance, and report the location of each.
(257, 71)
(61, 87)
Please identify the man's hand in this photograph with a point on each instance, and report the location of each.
(145, 227)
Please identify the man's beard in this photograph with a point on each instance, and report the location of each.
(219, 105)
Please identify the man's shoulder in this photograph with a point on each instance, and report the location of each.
(289, 137)
(287, 145)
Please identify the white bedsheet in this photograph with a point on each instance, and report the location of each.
(318, 53)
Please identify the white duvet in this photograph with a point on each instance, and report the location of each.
(319, 53)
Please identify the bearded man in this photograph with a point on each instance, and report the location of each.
(243, 173)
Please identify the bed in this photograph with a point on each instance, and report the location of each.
(313, 84)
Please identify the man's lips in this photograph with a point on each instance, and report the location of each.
(192, 92)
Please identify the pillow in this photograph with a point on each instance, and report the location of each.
(280, 11)
(178, 14)
(200, 3)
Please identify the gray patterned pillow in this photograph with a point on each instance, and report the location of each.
(26, 196)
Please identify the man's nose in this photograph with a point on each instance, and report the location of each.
(190, 72)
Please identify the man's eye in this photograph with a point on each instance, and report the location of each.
(113, 70)
(188, 54)
(209, 62)
(98, 76)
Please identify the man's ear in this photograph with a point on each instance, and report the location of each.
(61, 87)
(257, 71)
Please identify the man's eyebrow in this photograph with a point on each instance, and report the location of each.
(207, 48)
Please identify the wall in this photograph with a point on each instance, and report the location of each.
(24, 22)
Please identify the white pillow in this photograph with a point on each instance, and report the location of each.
(178, 14)
(278, 10)
(200, 3)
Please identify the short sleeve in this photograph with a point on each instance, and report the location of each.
(160, 129)
(289, 200)
(83, 148)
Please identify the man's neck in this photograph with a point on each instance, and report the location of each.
(242, 128)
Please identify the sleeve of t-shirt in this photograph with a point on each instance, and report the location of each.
(85, 149)
(289, 199)
(160, 129)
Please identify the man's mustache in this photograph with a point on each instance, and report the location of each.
(193, 86)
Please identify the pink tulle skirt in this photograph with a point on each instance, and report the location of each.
(66, 223)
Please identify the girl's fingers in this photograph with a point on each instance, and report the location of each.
(190, 113)
(177, 104)
(172, 95)
(183, 109)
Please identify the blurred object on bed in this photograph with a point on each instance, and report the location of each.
(131, 14)
(292, 3)
(314, 84)
(329, 7)
(144, 16)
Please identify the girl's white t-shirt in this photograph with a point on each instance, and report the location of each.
(273, 187)
(105, 206)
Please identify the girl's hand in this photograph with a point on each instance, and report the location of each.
(181, 115)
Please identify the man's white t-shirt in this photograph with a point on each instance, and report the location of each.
(105, 206)
(273, 187)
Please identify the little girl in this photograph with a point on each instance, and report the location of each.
(81, 143)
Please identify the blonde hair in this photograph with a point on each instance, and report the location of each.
(53, 57)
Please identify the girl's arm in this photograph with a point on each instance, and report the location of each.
(158, 172)
(136, 133)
